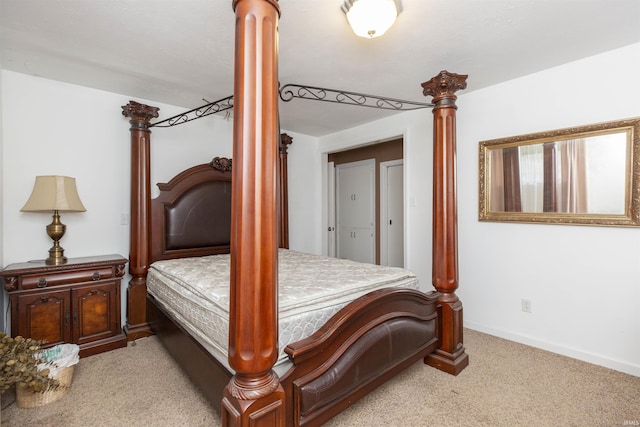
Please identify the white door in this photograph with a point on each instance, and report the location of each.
(356, 244)
(392, 213)
(355, 210)
(331, 209)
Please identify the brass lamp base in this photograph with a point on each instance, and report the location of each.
(56, 230)
(56, 257)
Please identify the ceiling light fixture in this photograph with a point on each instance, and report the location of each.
(371, 18)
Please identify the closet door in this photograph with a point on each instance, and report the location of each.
(355, 204)
(391, 213)
(356, 244)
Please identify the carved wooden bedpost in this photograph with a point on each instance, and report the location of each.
(139, 116)
(283, 176)
(254, 396)
(450, 357)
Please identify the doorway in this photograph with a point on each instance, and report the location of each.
(387, 151)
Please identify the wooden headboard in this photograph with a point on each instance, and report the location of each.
(192, 214)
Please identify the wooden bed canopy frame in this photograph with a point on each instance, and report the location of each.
(255, 395)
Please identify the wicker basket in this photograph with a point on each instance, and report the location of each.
(26, 398)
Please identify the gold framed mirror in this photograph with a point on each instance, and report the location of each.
(586, 175)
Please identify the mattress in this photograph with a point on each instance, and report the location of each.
(311, 289)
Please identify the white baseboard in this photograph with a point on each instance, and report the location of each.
(617, 365)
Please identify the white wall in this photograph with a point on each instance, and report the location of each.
(57, 128)
(583, 281)
(304, 188)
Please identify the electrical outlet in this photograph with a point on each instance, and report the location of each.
(526, 305)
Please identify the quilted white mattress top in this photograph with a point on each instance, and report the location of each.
(303, 279)
(311, 289)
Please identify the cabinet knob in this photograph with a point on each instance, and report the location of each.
(96, 275)
(42, 282)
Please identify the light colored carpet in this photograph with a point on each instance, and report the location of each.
(506, 384)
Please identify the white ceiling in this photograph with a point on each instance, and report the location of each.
(180, 52)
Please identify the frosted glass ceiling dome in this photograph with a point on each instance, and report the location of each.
(371, 18)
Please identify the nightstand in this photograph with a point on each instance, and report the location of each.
(77, 302)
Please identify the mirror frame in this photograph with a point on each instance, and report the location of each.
(631, 217)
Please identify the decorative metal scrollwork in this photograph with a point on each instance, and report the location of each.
(214, 107)
(291, 91)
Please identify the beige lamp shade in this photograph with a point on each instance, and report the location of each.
(371, 18)
(54, 193)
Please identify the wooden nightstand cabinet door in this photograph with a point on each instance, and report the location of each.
(44, 316)
(95, 314)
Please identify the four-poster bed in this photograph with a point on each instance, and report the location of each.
(241, 210)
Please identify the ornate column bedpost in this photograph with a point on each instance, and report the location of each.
(450, 357)
(139, 116)
(254, 396)
(283, 176)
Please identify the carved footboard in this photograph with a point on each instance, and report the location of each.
(362, 346)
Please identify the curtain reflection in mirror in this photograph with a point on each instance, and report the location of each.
(495, 176)
(580, 175)
(531, 178)
(572, 167)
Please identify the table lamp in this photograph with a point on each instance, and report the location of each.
(57, 194)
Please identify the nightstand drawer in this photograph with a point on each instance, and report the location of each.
(35, 281)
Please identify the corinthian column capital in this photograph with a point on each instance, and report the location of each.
(139, 113)
(444, 85)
